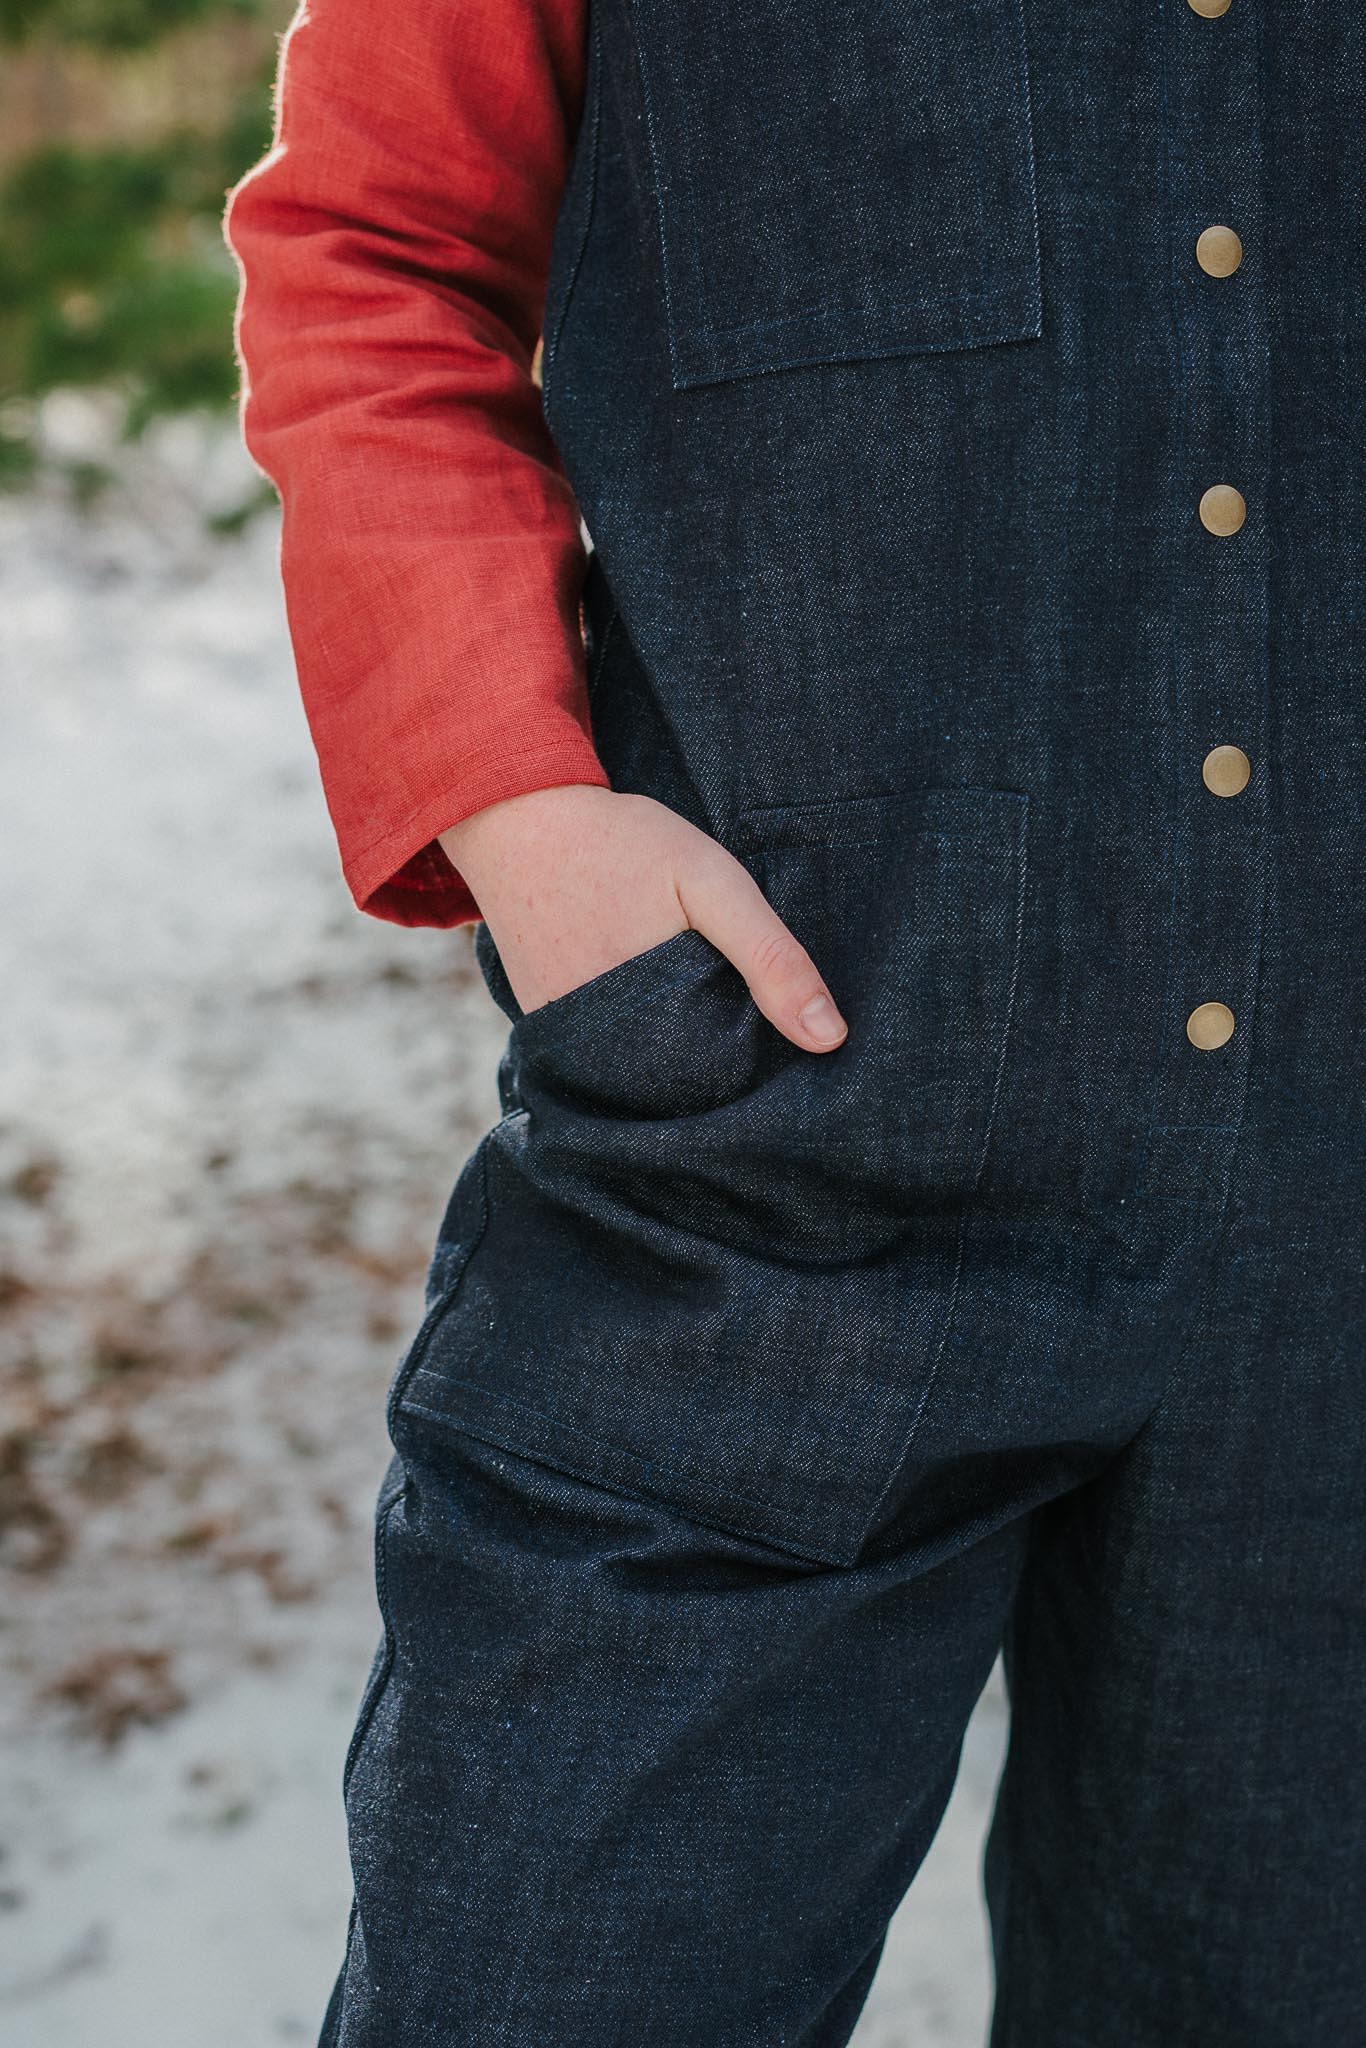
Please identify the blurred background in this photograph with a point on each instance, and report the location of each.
(230, 1113)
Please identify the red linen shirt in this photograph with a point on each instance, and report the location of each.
(393, 249)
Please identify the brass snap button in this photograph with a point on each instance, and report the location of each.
(1210, 1026)
(1222, 510)
(1226, 771)
(1218, 251)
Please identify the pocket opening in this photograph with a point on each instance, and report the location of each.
(675, 1299)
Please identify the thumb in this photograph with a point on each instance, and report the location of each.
(722, 900)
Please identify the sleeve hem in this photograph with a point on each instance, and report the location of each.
(404, 876)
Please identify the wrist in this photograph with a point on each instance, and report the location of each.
(515, 823)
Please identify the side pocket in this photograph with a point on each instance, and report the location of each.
(704, 1267)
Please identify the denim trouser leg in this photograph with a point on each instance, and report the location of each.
(632, 1780)
(1179, 1853)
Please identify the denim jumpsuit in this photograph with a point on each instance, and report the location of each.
(966, 400)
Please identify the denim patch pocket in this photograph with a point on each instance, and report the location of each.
(838, 181)
(697, 1264)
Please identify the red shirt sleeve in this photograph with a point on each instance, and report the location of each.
(393, 249)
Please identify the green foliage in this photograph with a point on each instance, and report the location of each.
(110, 24)
(113, 269)
(18, 460)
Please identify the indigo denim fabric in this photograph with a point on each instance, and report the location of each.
(762, 1397)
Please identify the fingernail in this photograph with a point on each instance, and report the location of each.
(821, 1021)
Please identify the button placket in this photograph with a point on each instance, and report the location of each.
(1219, 577)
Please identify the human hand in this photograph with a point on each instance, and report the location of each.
(573, 881)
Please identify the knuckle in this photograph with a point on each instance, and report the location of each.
(777, 958)
(708, 865)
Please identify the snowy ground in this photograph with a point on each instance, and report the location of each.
(230, 1112)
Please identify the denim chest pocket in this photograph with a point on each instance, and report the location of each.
(839, 179)
(698, 1265)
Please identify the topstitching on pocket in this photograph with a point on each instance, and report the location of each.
(839, 182)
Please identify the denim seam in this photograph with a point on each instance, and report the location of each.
(552, 341)
(654, 157)
(746, 828)
(1030, 151)
(855, 352)
(962, 849)
(951, 1306)
(974, 307)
